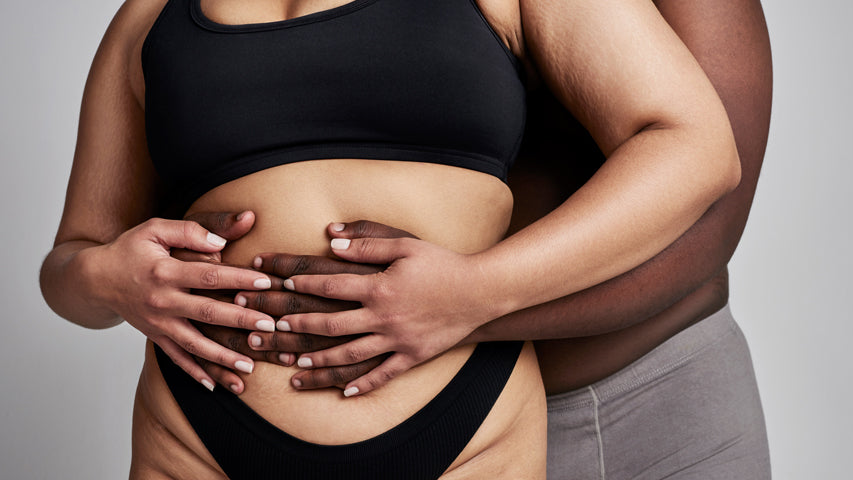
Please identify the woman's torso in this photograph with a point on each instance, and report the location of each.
(458, 208)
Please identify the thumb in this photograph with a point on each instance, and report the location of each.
(372, 250)
(366, 228)
(228, 225)
(182, 234)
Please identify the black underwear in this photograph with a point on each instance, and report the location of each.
(247, 446)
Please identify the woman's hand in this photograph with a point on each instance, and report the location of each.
(139, 280)
(426, 301)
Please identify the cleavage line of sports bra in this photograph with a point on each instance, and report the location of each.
(408, 80)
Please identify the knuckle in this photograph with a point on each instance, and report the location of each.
(156, 301)
(190, 228)
(329, 287)
(207, 312)
(292, 304)
(353, 354)
(334, 327)
(339, 375)
(301, 264)
(161, 272)
(210, 278)
(360, 228)
(192, 347)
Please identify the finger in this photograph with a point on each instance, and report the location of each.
(333, 376)
(186, 362)
(185, 255)
(350, 353)
(379, 376)
(366, 228)
(372, 250)
(223, 376)
(220, 313)
(278, 304)
(294, 342)
(205, 276)
(343, 286)
(182, 234)
(239, 340)
(285, 265)
(349, 322)
(194, 343)
(228, 225)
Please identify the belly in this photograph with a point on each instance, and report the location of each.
(459, 209)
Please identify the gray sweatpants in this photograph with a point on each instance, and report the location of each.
(687, 410)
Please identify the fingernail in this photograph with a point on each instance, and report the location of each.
(285, 358)
(240, 217)
(262, 283)
(296, 383)
(265, 325)
(255, 340)
(207, 384)
(338, 227)
(304, 362)
(283, 326)
(241, 300)
(288, 284)
(243, 366)
(351, 391)
(234, 388)
(340, 243)
(215, 240)
(257, 262)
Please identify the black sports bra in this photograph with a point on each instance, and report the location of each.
(411, 80)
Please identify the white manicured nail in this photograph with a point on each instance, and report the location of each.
(304, 362)
(235, 388)
(285, 358)
(207, 384)
(262, 283)
(288, 284)
(243, 366)
(255, 340)
(351, 391)
(265, 326)
(258, 262)
(283, 326)
(241, 300)
(215, 240)
(340, 243)
(296, 382)
(338, 227)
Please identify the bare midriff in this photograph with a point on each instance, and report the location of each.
(460, 209)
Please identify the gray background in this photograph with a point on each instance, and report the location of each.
(67, 392)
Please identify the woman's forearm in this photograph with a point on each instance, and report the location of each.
(651, 190)
(67, 284)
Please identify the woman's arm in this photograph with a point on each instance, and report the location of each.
(730, 41)
(622, 71)
(106, 263)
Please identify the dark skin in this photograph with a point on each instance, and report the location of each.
(625, 317)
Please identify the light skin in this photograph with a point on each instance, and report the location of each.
(602, 329)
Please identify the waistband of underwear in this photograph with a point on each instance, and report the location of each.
(665, 358)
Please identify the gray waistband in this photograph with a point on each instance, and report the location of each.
(665, 358)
